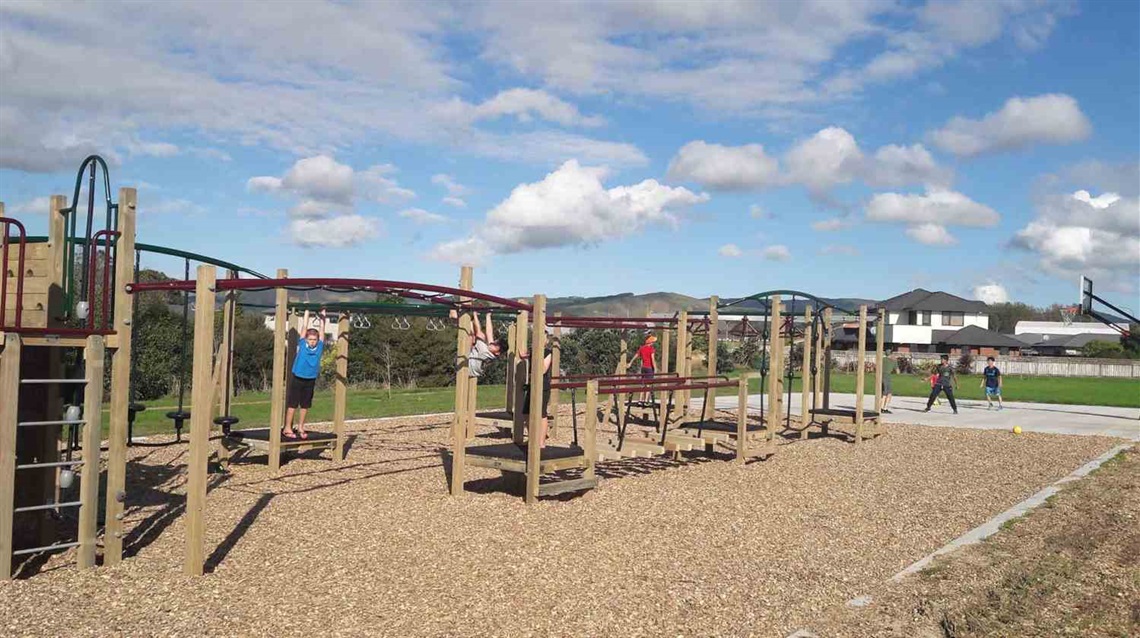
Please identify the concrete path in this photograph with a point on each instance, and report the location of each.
(1088, 420)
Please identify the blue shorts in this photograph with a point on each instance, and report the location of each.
(993, 392)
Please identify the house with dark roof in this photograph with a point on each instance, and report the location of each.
(926, 321)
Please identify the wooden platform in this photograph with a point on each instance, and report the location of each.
(512, 457)
(843, 414)
(259, 439)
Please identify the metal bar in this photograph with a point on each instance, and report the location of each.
(45, 548)
(398, 288)
(48, 506)
(23, 235)
(32, 466)
(1126, 314)
(36, 423)
(32, 381)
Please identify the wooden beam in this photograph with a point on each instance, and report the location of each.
(860, 374)
(9, 409)
(681, 363)
(340, 384)
(533, 447)
(201, 398)
(775, 372)
(512, 361)
(462, 377)
(806, 381)
(277, 394)
(120, 380)
(518, 373)
(709, 407)
(742, 417)
(555, 371)
(590, 433)
(825, 391)
(93, 355)
(880, 336)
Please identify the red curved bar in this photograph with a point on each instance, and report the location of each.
(624, 382)
(408, 290)
(608, 390)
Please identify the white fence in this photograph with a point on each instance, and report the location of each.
(1030, 366)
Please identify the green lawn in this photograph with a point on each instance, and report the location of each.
(253, 407)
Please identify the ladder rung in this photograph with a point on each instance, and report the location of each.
(45, 548)
(30, 466)
(80, 381)
(48, 506)
(28, 424)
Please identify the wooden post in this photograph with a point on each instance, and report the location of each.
(817, 378)
(518, 373)
(555, 371)
(775, 349)
(512, 362)
(742, 417)
(537, 347)
(93, 355)
(806, 381)
(201, 397)
(340, 384)
(826, 349)
(225, 361)
(860, 374)
(663, 396)
(120, 380)
(622, 368)
(277, 396)
(462, 377)
(880, 336)
(45, 483)
(679, 364)
(708, 409)
(589, 439)
(9, 404)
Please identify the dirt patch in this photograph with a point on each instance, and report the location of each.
(1069, 568)
(696, 547)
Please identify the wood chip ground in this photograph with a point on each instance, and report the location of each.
(376, 547)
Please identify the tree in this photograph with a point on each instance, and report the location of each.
(1004, 316)
(1103, 350)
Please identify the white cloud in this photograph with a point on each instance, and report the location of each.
(756, 211)
(570, 207)
(39, 205)
(839, 249)
(1079, 234)
(776, 252)
(829, 158)
(454, 201)
(831, 224)
(173, 206)
(453, 187)
(543, 146)
(152, 149)
(931, 235)
(935, 207)
(730, 250)
(337, 232)
(322, 186)
(421, 216)
(894, 166)
(991, 293)
(720, 167)
(1021, 122)
(526, 104)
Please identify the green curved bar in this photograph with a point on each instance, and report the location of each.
(173, 252)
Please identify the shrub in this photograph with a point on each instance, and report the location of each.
(906, 366)
(965, 364)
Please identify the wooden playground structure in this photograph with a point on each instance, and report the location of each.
(67, 303)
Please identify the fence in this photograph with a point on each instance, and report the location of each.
(1033, 366)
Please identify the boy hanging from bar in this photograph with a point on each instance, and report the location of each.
(303, 379)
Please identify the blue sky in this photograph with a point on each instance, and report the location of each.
(846, 149)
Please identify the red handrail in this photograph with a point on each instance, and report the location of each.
(8, 222)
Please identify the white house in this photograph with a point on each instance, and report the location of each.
(925, 321)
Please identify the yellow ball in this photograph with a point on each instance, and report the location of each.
(1017, 429)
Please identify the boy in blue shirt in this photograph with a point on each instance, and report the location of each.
(991, 381)
(303, 379)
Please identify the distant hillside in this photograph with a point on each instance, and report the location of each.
(625, 304)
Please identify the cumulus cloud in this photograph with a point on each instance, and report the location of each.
(831, 224)
(730, 250)
(827, 159)
(1097, 236)
(454, 201)
(720, 167)
(931, 235)
(935, 208)
(322, 186)
(991, 293)
(839, 249)
(337, 232)
(39, 205)
(1021, 122)
(570, 207)
(448, 182)
(776, 252)
(421, 216)
(527, 104)
(756, 211)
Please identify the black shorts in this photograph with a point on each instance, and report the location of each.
(646, 371)
(545, 398)
(300, 392)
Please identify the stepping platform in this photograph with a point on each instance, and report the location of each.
(564, 487)
(512, 457)
(843, 414)
(630, 449)
(259, 439)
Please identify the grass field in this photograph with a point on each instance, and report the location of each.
(253, 407)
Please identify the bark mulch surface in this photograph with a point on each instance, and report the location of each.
(1068, 568)
(376, 547)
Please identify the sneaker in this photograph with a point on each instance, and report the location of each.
(955, 412)
(989, 407)
(926, 410)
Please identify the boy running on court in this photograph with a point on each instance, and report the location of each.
(991, 381)
(947, 381)
(934, 384)
(303, 380)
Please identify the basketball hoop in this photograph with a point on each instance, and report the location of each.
(1067, 314)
